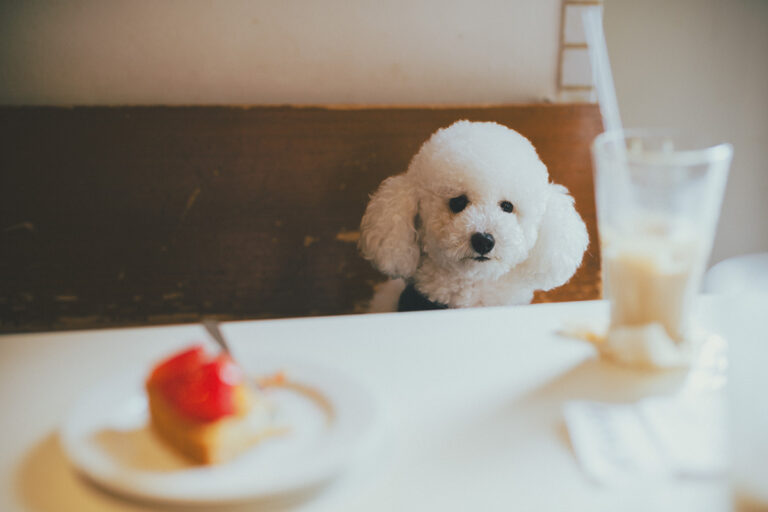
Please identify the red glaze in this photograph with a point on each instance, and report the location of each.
(179, 364)
(199, 386)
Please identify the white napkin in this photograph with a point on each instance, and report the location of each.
(660, 437)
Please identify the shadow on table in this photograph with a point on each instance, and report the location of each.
(605, 381)
(522, 427)
(600, 381)
(47, 483)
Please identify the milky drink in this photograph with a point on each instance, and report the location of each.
(650, 276)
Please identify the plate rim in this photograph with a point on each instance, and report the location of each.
(73, 435)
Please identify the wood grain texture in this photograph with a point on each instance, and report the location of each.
(144, 215)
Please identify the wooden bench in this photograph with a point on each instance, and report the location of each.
(140, 215)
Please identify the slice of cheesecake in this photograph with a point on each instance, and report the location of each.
(200, 405)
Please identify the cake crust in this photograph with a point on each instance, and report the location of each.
(200, 406)
(202, 442)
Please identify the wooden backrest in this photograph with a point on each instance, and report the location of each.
(132, 215)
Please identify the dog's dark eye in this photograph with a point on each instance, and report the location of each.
(458, 203)
(507, 206)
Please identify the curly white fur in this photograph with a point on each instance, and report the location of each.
(408, 230)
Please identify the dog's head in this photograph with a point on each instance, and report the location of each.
(472, 200)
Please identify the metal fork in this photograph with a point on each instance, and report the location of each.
(212, 326)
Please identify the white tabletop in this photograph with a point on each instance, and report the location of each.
(472, 401)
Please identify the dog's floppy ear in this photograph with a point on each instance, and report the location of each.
(560, 245)
(388, 236)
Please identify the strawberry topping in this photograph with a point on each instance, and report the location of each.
(199, 386)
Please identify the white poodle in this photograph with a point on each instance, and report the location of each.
(473, 222)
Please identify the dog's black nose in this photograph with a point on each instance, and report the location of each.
(482, 242)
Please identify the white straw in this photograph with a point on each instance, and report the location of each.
(601, 67)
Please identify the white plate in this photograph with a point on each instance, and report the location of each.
(106, 436)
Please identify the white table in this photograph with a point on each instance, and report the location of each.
(472, 402)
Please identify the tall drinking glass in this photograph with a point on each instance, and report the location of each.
(658, 201)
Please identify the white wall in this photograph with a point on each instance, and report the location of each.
(702, 66)
(277, 51)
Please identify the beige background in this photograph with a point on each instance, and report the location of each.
(698, 64)
(702, 66)
(278, 51)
